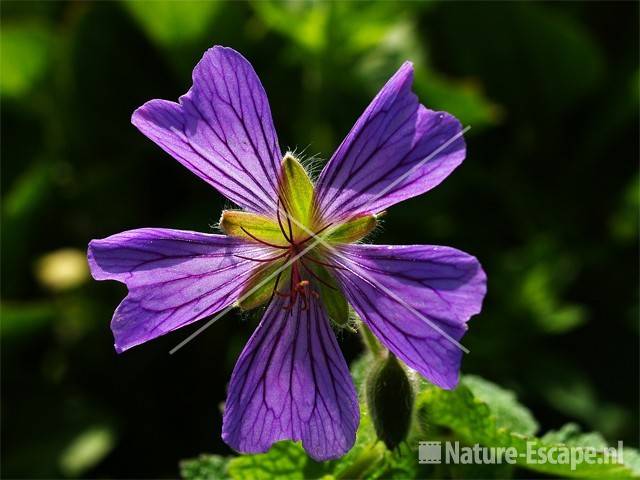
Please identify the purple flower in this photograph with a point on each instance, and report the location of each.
(293, 246)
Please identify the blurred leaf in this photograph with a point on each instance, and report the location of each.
(573, 394)
(25, 56)
(173, 23)
(27, 192)
(23, 318)
(466, 101)
(555, 59)
(544, 273)
(624, 223)
(205, 467)
(86, 450)
(385, 37)
(62, 269)
(303, 22)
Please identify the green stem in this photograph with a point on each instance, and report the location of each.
(370, 341)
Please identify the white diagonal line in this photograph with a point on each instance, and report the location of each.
(378, 285)
(246, 295)
(330, 247)
(420, 163)
(375, 283)
(402, 302)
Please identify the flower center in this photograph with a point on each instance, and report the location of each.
(300, 267)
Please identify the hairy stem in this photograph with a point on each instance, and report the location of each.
(370, 341)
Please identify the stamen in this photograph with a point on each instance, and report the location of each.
(262, 241)
(316, 276)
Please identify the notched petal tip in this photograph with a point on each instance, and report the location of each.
(93, 260)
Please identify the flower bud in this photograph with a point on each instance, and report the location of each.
(390, 400)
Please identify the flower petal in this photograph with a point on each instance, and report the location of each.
(221, 130)
(396, 150)
(387, 285)
(291, 382)
(174, 278)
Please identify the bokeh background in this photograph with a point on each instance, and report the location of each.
(547, 200)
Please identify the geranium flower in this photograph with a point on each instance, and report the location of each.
(293, 246)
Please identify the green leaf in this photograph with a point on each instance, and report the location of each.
(509, 414)
(205, 467)
(480, 412)
(25, 57)
(285, 460)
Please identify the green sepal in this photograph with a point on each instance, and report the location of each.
(296, 192)
(263, 228)
(353, 230)
(265, 280)
(334, 302)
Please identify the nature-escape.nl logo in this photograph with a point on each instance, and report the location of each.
(454, 453)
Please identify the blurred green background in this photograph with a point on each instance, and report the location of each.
(547, 200)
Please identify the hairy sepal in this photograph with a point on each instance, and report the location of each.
(260, 287)
(353, 230)
(296, 196)
(251, 226)
(334, 302)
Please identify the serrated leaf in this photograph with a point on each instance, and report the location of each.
(504, 406)
(285, 460)
(487, 421)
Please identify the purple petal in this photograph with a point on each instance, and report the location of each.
(174, 278)
(221, 130)
(416, 300)
(396, 150)
(291, 382)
